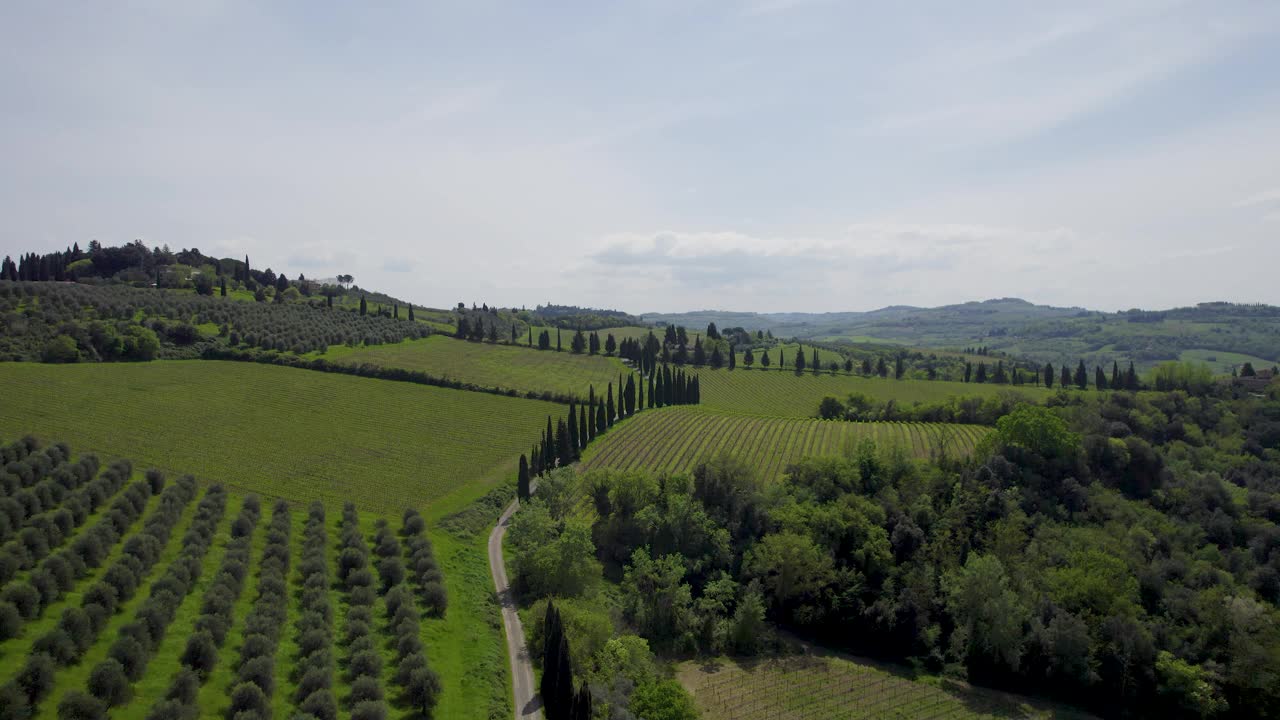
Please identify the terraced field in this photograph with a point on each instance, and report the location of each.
(676, 439)
(503, 366)
(836, 688)
(783, 393)
(278, 431)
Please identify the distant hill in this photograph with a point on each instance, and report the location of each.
(1039, 332)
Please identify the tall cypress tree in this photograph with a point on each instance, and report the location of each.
(530, 336)
(1131, 378)
(815, 365)
(224, 289)
(1082, 376)
(609, 406)
(582, 706)
(1099, 378)
(733, 358)
(640, 394)
(522, 480)
(549, 454)
(799, 363)
(552, 634)
(564, 453)
(631, 395)
(411, 319)
(1065, 380)
(573, 430)
(584, 431)
(1048, 375)
(1116, 382)
(668, 390)
(564, 681)
(558, 348)
(651, 391)
(591, 424)
(364, 306)
(601, 423)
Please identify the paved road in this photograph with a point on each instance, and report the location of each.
(528, 704)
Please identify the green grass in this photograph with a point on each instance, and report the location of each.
(1222, 362)
(783, 393)
(675, 439)
(506, 366)
(280, 432)
(843, 688)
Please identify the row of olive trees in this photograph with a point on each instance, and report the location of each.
(110, 680)
(314, 693)
(419, 684)
(423, 570)
(364, 661)
(79, 628)
(56, 575)
(255, 676)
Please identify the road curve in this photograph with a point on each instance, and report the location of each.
(528, 704)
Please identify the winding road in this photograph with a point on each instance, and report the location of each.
(528, 704)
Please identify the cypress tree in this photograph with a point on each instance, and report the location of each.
(573, 429)
(549, 454)
(223, 288)
(669, 390)
(411, 319)
(552, 634)
(564, 453)
(631, 395)
(582, 704)
(564, 680)
(1082, 376)
(522, 480)
(591, 418)
(578, 344)
(1131, 380)
(1066, 377)
(364, 309)
(982, 373)
(530, 334)
(584, 431)
(899, 368)
(1116, 383)
(799, 363)
(609, 406)
(1099, 378)
(246, 269)
(733, 358)
(651, 393)
(1048, 375)
(601, 423)
(816, 366)
(558, 348)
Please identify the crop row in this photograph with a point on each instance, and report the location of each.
(314, 693)
(71, 495)
(255, 675)
(423, 570)
(200, 653)
(110, 680)
(419, 684)
(676, 440)
(76, 630)
(364, 662)
(57, 574)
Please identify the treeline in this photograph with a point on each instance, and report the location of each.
(563, 444)
(967, 410)
(573, 317)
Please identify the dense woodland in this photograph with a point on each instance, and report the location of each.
(1120, 550)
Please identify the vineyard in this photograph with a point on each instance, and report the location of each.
(491, 365)
(783, 393)
(280, 432)
(829, 688)
(676, 439)
(156, 599)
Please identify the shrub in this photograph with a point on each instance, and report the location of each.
(201, 653)
(422, 690)
(167, 710)
(369, 710)
(320, 704)
(366, 663)
(312, 641)
(10, 620)
(261, 672)
(58, 645)
(35, 679)
(365, 688)
(185, 688)
(24, 598)
(108, 682)
(257, 645)
(131, 654)
(77, 705)
(313, 680)
(247, 697)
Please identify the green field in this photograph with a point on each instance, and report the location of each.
(839, 688)
(280, 432)
(504, 366)
(783, 393)
(676, 439)
(1221, 362)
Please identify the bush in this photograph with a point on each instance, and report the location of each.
(261, 672)
(10, 620)
(108, 683)
(422, 690)
(320, 704)
(366, 663)
(247, 697)
(58, 645)
(313, 680)
(369, 710)
(168, 710)
(257, 645)
(201, 653)
(365, 688)
(131, 654)
(77, 705)
(24, 598)
(35, 679)
(185, 688)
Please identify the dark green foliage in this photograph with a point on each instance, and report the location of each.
(247, 697)
(78, 705)
(108, 683)
(320, 704)
(522, 479)
(368, 709)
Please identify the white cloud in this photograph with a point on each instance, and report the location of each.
(1265, 197)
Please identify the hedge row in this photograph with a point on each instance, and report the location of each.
(251, 696)
(75, 494)
(422, 567)
(77, 631)
(314, 669)
(201, 652)
(364, 662)
(419, 684)
(58, 573)
(127, 660)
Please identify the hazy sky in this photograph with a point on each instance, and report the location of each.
(663, 155)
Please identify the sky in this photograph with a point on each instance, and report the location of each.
(663, 155)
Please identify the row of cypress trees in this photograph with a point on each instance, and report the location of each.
(564, 442)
